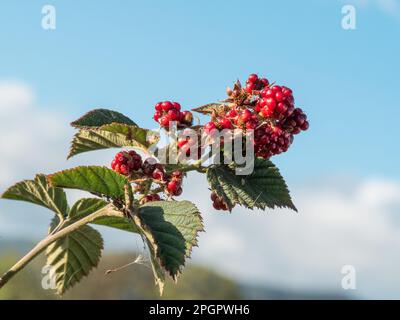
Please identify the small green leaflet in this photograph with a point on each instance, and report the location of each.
(114, 135)
(100, 117)
(98, 180)
(263, 188)
(73, 256)
(209, 108)
(39, 192)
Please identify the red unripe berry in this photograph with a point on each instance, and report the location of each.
(276, 88)
(174, 115)
(267, 112)
(252, 78)
(264, 82)
(176, 105)
(231, 113)
(178, 192)
(172, 186)
(250, 87)
(156, 197)
(177, 175)
(126, 162)
(286, 91)
(159, 106)
(281, 108)
(209, 127)
(305, 126)
(123, 169)
(150, 198)
(158, 175)
(251, 124)
(267, 93)
(164, 121)
(182, 142)
(167, 105)
(157, 115)
(225, 123)
(279, 96)
(245, 115)
(270, 102)
(148, 166)
(216, 205)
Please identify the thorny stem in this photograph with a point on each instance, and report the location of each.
(42, 245)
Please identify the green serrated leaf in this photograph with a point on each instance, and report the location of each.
(98, 180)
(73, 256)
(209, 108)
(265, 187)
(171, 229)
(99, 117)
(39, 192)
(86, 206)
(183, 215)
(114, 135)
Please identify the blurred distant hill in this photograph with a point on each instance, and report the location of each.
(136, 282)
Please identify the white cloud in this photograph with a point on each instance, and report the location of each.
(306, 250)
(29, 136)
(15, 97)
(35, 140)
(390, 7)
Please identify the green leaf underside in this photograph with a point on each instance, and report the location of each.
(86, 206)
(114, 135)
(264, 188)
(39, 192)
(120, 223)
(98, 180)
(74, 256)
(99, 117)
(209, 108)
(171, 229)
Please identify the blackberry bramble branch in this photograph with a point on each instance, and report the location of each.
(138, 192)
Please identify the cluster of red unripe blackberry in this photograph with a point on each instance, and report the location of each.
(167, 112)
(266, 108)
(130, 164)
(218, 202)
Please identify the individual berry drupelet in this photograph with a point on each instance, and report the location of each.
(266, 108)
(210, 127)
(275, 102)
(154, 170)
(167, 112)
(296, 122)
(218, 202)
(254, 83)
(188, 146)
(271, 140)
(125, 162)
(148, 166)
(174, 183)
(150, 198)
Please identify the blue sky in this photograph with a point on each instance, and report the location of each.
(128, 55)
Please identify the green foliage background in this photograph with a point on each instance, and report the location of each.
(133, 282)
